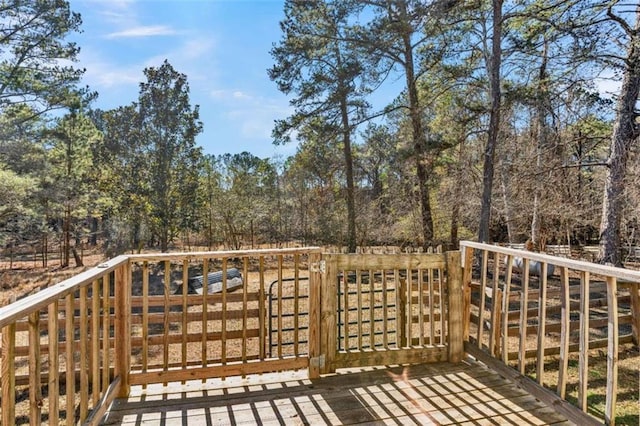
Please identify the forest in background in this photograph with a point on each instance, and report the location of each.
(500, 134)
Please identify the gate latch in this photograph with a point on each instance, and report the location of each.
(317, 362)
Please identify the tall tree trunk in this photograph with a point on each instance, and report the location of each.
(625, 132)
(348, 161)
(541, 106)
(419, 137)
(493, 66)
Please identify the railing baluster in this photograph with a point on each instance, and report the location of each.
(185, 308)
(583, 363)
(262, 312)
(296, 307)
(524, 320)
(612, 351)
(564, 332)
(385, 314)
(205, 322)
(8, 380)
(53, 386)
(35, 369)
(84, 353)
(359, 301)
(483, 290)
(505, 310)
(166, 325)
(542, 321)
(70, 383)
(145, 317)
(280, 306)
(106, 331)
(245, 307)
(95, 342)
(224, 311)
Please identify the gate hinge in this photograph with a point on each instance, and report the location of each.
(318, 266)
(317, 362)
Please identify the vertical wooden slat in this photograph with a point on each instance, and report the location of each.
(84, 353)
(35, 368)
(106, 331)
(224, 312)
(432, 308)
(262, 310)
(345, 279)
(205, 295)
(565, 312)
(53, 385)
(409, 308)
(145, 317)
(634, 289)
(95, 342)
(359, 312)
(441, 303)
(494, 336)
(583, 361)
(467, 274)
(315, 283)
(166, 325)
(505, 310)
(385, 310)
(454, 291)
(372, 308)
(296, 303)
(483, 295)
(245, 308)
(185, 309)
(328, 327)
(280, 306)
(70, 383)
(612, 351)
(122, 333)
(542, 322)
(8, 379)
(401, 317)
(524, 320)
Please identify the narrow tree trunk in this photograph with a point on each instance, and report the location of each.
(625, 132)
(419, 139)
(348, 160)
(494, 122)
(541, 146)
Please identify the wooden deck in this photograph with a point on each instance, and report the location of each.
(427, 394)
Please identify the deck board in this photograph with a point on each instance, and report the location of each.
(436, 394)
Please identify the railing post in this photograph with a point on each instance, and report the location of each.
(454, 290)
(328, 323)
(122, 295)
(467, 273)
(315, 294)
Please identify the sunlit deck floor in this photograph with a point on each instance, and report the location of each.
(437, 394)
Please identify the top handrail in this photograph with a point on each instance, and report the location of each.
(23, 307)
(626, 275)
(217, 254)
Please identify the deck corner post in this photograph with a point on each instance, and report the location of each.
(122, 295)
(455, 292)
(315, 294)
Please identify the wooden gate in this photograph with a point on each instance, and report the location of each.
(387, 309)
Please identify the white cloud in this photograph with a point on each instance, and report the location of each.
(143, 31)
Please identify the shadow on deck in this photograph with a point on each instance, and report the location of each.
(436, 394)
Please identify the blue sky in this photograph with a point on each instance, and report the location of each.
(221, 45)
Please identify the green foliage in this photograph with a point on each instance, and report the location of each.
(33, 48)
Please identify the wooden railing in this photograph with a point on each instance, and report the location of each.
(56, 343)
(531, 310)
(71, 349)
